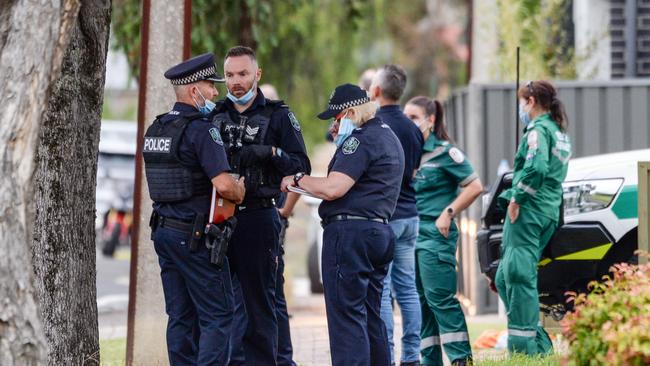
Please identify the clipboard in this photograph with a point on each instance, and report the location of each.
(221, 209)
(300, 191)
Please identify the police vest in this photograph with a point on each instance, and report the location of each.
(171, 179)
(262, 181)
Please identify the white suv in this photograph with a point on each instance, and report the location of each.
(599, 228)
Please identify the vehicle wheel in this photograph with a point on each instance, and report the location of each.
(313, 269)
(108, 249)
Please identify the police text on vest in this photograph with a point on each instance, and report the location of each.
(157, 144)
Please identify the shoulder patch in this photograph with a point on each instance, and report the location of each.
(294, 121)
(350, 146)
(216, 136)
(456, 155)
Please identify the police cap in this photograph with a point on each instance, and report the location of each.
(344, 97)
(195, 69)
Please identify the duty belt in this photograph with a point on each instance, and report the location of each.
(328, 220)
(194, 228)
(175, 224)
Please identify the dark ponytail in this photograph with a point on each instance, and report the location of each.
(558, 113)
(545, 96)
(439, 128)
(433, 107)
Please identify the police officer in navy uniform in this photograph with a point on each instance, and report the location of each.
(359, 197)
(184, 158)
(264, 143)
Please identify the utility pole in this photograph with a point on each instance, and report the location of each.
(165, 42)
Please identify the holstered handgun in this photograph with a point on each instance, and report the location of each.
(197, 232)
(217, 237)
(153, 222)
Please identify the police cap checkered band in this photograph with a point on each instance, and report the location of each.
(344, 96)
(193, 70)
(349, 104)
(205, 74)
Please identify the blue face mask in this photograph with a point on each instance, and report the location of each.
(207, 107)
(524, 117)
(346, 127)
(244, 99)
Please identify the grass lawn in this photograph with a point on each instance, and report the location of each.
(476, 329)
(112, 352)
(520, 360)
(500, 357)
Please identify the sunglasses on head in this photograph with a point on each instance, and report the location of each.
(530, 88)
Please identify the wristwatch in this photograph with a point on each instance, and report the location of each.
(450, 212)
(297, 178)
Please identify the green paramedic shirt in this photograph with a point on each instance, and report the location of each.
(443, 169)
(541, 165)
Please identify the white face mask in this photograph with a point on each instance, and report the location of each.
(422, 125)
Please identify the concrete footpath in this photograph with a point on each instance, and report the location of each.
(311, 341)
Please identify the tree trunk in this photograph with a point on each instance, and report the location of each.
(33, 38)
(63, 251)
(246, 37)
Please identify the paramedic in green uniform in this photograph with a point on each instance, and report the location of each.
(533, 212)
(443, 170)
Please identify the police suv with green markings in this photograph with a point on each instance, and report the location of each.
(599, 227)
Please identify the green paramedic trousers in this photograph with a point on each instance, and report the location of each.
(516, 280)
(443, 321)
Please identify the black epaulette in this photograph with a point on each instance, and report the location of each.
(189, 116)
(277, 104)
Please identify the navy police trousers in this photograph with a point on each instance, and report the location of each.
(198, 301)
(285, 349)
(355, 261)
(253, 255)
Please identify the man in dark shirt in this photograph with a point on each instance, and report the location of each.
(264, 143)
(387, 88)
(184, 159)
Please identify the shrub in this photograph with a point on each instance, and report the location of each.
(611, 324)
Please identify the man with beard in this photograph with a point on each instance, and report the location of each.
(264, 143)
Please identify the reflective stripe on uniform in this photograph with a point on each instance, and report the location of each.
(429, 342)
(564, 159)
(454, 337)
(522, 333)
(468, 180)
(430, 155)
(527, 189)
(429, 165)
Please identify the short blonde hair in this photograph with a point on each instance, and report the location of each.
(364, 112)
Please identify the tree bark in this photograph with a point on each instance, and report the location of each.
(33, 38)
(63, 251)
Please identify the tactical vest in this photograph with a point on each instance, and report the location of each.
(262, 181)
(171, 179)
